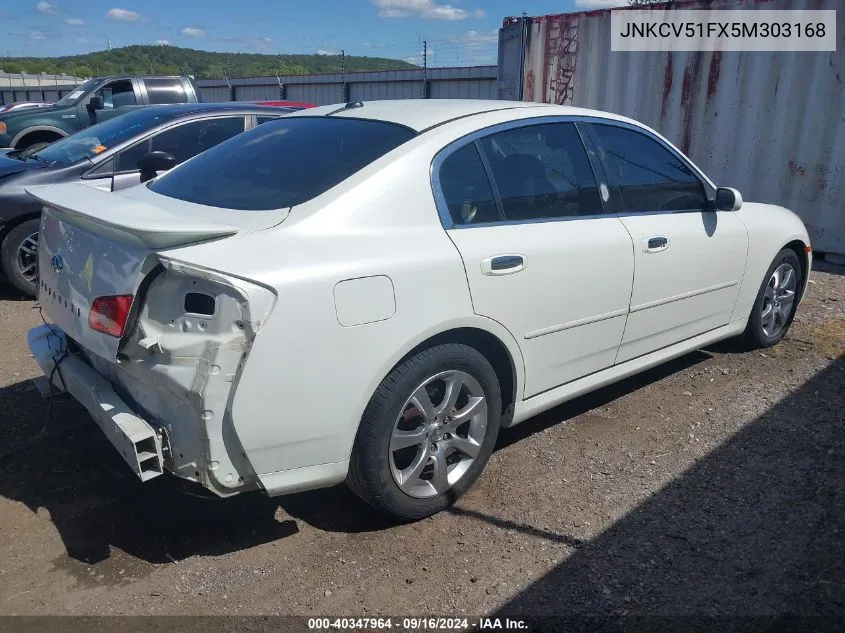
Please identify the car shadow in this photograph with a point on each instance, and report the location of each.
(755, 528)
(54, 457)
(820, 265)
(9, 293)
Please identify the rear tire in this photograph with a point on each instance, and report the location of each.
(19, 256)
(31, 149)
(427, 432)
(776, 302)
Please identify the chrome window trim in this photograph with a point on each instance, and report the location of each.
(588, 144)
(477, 135)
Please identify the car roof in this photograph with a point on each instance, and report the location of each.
(423, 114)
(175, 110)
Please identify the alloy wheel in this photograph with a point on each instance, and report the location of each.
(438, 434)
(778, 300)
(27, 258)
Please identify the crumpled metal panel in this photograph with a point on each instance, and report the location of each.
(770, 124)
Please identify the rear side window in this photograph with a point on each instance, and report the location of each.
(542, 172)
(647, 175)
(281, 163)
(466, 188)
(165, 91)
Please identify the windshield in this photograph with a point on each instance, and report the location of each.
(281, 163)
(98, 138)
(77, 93)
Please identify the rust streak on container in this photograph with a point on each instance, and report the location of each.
(713, 75)
(691, 71)
(668, 80)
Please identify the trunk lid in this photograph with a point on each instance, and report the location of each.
(95, 243)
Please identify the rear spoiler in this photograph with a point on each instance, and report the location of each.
(153, 226)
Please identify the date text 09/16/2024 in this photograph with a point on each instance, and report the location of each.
(413, 624)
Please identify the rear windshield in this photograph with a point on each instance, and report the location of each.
(281, 163)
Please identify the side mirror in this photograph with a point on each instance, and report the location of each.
(96, 102)
(728, 199)
(155, 162)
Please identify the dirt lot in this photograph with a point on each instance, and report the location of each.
(712, 485)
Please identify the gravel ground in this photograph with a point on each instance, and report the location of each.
(712, 485)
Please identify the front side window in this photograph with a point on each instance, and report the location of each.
(466, 188)
(647, 175)
(182, 141)
(165, 91)
(281, 163)
(117, 94)
(542, 172)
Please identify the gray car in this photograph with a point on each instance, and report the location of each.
(112, 155)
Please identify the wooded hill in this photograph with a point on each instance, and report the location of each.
(172, 60)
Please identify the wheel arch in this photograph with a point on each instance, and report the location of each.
(38, 129)
(19, 219)
(505, 357)
(799, 247)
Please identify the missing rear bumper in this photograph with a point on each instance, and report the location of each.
(135, 439)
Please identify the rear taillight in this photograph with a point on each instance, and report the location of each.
(109, 314)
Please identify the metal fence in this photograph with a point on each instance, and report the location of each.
(770, 124)
(44, 88)
(472, 82)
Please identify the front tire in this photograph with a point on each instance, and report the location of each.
(19, 256)
(776, 303)
(427, 432)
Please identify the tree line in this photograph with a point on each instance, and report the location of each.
(172, 60)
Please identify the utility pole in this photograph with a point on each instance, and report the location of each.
(108, 44)
(343, 87)
(425, 69)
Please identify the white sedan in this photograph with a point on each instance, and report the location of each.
(369, 292)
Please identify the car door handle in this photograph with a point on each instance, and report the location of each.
(656, 244)
(502, 265)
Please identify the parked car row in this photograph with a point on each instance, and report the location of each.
(111, 155)
(368, 292)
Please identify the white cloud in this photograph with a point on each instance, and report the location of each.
(37, 35)
(193, 31)
(162, 43)
(75, 22)
(600, 4)
(424, 9)
(123, 15)
(82, 40)
(322, 51)
(474, 37)
(46, 7)
(266, 39)
(480, 13)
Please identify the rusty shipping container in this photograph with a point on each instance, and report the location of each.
(771, 124)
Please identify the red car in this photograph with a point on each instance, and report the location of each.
(20, 105)
(286, 104)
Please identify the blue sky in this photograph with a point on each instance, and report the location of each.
(459, 32)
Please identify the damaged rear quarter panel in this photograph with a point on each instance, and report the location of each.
(182, 368)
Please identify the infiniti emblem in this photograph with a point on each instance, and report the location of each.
(57, 263)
